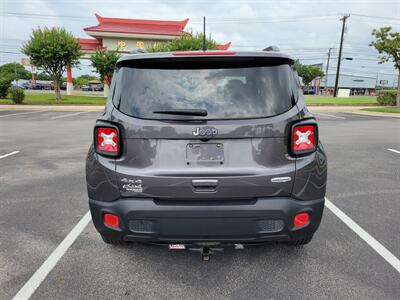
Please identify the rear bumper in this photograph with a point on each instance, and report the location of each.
(259, 220)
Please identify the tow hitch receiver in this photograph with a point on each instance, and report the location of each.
(206, 252)
(205, 249)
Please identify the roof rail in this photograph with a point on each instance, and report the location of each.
(137, 50)
(272, 48)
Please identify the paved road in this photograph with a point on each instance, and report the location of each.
(43, 196)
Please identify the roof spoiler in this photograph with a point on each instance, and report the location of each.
(272, 48)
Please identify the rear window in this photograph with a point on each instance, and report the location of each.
(225, 93)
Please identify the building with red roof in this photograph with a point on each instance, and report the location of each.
(129, 34)
(117, 27)
(126, 35)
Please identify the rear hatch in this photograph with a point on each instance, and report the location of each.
(205, 127)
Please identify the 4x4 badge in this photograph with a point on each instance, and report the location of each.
(205, 131)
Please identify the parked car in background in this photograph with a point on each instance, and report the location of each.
(98, 88)
(35, 86)
(26, 85)
(308, 90)
(47, 86)
(39, 85)
(21, 83)
(92, 88)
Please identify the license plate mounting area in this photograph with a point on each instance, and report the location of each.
(205, 152)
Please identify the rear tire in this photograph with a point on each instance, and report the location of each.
(113, 240)
(302, 241)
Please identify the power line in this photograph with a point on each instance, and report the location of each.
(375, 17)
(282, 19)
(241, 19)
(356, 71)
(10, 52)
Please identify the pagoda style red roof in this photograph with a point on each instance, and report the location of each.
(224, 46)
(135, 26)
(90, 44)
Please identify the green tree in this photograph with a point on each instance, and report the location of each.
(388, 45)
(186, 42)
(104, 62)
(52, 50)
(307, 73)
(5, 84)
(43, 76)
(15, 70)
(83, 80)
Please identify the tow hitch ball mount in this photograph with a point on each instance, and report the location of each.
(205, 251)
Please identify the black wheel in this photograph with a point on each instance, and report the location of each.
(113, 240)
(300, 242)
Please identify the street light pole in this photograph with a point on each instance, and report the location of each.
(340, 54)
(204, 47)
(326, 72)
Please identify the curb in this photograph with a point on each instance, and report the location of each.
(52, 107)
(374, 114)
(336, 108)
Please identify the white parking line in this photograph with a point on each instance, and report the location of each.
(37, 278)
(395, 151)
(328, 115)
(69, 115)
(370, 240)
(23, 113)
(9, 154)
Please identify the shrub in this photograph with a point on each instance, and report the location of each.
(17, 94)
(387, 97)
(5, 84)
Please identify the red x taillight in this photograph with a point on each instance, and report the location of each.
(107, 141)
(304, 138)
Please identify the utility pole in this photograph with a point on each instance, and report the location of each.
(326, 72)
(340, 54)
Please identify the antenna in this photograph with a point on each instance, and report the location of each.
(204, 48)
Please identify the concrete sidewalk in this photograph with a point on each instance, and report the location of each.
(351, 110)
(335, 108)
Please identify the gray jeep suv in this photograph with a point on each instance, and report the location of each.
(206, 148)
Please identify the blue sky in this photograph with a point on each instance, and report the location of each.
(305, 29)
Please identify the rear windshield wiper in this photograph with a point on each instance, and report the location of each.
(183, 112)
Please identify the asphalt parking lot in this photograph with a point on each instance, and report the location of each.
(43, 196)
